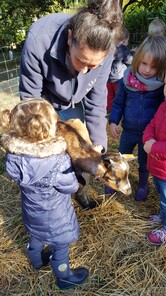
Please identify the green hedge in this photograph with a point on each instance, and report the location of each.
(137, 18)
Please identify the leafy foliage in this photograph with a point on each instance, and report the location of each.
(17, 16)
(148, 4)
(138, 16)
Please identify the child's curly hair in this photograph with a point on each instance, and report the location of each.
(31, 119)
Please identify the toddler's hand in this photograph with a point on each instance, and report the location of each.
(114, 130)
(148, 145)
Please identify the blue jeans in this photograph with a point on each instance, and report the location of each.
(77, 112)
(160, 186)
(128, 141)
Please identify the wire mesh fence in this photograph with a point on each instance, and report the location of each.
(137, 38)
(10, 66)
(9, 71)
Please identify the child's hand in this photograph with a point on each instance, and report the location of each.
(148, 145)
(114, 130)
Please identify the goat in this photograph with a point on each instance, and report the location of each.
(112, 169)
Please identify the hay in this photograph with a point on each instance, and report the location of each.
(111, 245)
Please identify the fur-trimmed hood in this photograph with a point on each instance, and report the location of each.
(15, 145)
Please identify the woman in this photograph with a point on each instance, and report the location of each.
(67, 59)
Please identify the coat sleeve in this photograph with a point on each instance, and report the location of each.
(149, 132)
(66, 181)
(159, 147)
(159, 150)
(31, 79)
(95, 106)
(118, 104)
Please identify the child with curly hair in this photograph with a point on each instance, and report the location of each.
(37, 161)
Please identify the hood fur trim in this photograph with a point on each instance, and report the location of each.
(11, 143)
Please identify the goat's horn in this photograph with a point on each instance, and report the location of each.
(111, 161)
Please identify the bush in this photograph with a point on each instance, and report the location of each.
(137, 18)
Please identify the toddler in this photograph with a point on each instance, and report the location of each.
(139, 94)
(123, 57)
(46, 180)
(154, 140)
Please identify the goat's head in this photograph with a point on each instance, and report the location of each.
(113, 171)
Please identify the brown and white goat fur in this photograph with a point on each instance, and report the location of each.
(112, 169)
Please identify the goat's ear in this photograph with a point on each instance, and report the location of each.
(129, 157)
(106, 157)
(107, 160)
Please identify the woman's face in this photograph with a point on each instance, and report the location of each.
(146, 68)
(84, 58)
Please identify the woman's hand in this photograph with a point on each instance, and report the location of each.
(99, 148)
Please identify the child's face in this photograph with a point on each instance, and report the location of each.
(146, 67)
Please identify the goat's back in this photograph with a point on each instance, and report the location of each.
(77, 138)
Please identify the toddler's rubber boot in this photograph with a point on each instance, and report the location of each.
(34, 256)
(143, 188)
(68, 278)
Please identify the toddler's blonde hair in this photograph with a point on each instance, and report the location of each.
(157, 28)
(155, 46)
(31, 119)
